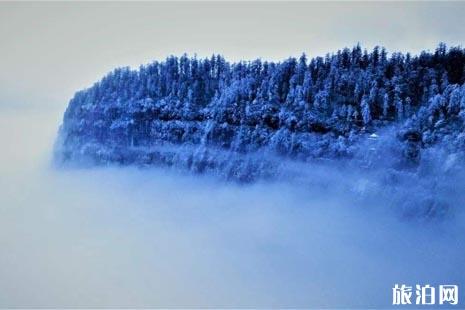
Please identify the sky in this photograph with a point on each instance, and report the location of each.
(50, 50)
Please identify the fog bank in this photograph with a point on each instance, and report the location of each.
(113, 236)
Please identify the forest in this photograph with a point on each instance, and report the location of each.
(212, 115)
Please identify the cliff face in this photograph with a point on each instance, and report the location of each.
(241, 152)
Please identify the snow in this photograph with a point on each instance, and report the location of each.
(252, 120)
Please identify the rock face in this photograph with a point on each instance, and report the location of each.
(241, 120)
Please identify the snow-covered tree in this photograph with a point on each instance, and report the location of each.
(366, 111)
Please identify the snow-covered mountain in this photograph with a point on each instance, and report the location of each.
(385, 127)
(246, 120)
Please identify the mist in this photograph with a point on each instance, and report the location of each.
(148, 237)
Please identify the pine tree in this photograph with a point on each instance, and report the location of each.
(366, 112)
(386, 106)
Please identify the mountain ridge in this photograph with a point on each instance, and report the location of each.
(297, 109)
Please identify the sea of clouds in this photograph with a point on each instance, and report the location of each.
(135, 237)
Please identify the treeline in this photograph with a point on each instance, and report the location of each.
(339, 94)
